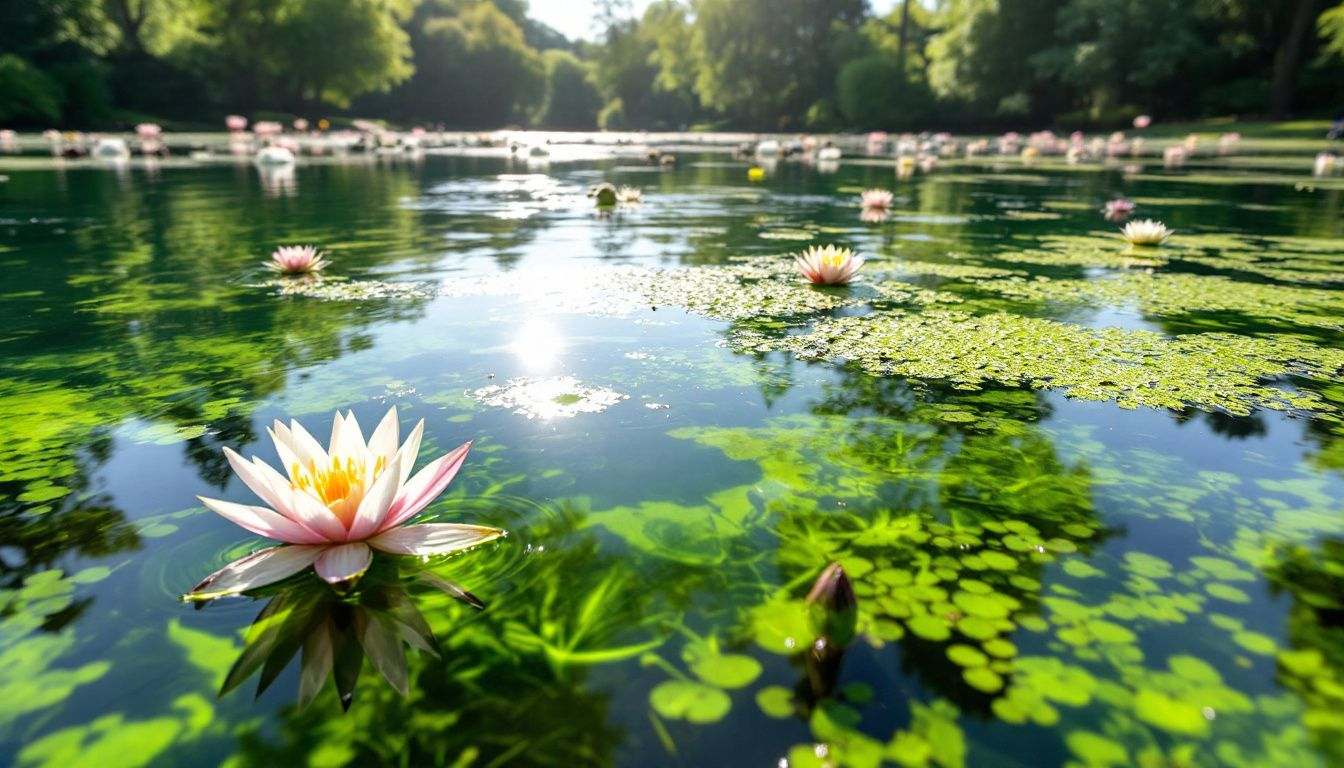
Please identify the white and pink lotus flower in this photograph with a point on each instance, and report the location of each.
(336, 505)
(296, 260)
(876, 199)
(829, 265)
(236, 123)
(148, 131)
(1143, 121)
(1146, 232)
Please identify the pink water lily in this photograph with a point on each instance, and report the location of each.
(236, 122)
(296, 260)
(829, 265)
(335, 506)
(1118, 209)
(877, 198)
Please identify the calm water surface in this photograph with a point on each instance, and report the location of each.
(1041, 579)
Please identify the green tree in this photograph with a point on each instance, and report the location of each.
(1107, 51)
(473, 68)
(27, 96)
(764, 62)
(980, 58)
(572, 100)
(374, 51)
(642, 69)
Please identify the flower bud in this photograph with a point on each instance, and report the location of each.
(832, 607)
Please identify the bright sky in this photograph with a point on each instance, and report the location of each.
(574, 18)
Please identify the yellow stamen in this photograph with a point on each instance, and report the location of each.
(340, 486)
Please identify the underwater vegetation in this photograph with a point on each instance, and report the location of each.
(1017, 493)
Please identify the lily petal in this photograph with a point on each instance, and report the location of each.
(373, 509)
(253, 478)
(427, 484)
(346, 437)
(316, 516)
(306, 446)
(263, 522)
(384, 440)
(265, 566)
(410, 451)
(433, 538)
(290, 459)
(343, 562)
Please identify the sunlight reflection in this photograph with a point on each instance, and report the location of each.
(538, 343)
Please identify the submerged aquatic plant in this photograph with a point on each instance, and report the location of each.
(296, 260)
(829, 265)
(337, 505)
(1146, 232)
(878, 199)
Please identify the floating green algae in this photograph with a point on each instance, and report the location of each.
(1134, 368)
(1182, 294)
(752, 288)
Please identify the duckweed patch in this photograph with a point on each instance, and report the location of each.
(1134, 368)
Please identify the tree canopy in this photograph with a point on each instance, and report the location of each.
(750, 64)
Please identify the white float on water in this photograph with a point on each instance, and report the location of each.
(111, 149)
(275, 156)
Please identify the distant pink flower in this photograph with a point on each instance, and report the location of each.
(874, 215)
(877, 198)
(335, 506)
(1142, 121)
(1118, 209)
(236, 122)
(267, 128)
(1174, 156)
(300, 125)
(1325, 164)
(148, 130)
(829, 265)
(296, 260)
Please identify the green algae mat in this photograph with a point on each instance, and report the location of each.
(1087, 496)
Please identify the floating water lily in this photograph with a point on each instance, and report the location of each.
(236, 123)
(829, 265)
(1325, 164)
(879, 199)
(905, 167)
(148, 131)
(604, 195)
(1142, 121)
(296, 260)
(630, 194)
(755, 174)
(338, 505)
(1146, 232)
(1118, 209)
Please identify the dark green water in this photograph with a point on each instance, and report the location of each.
(1049, 568)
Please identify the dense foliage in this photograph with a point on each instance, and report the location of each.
(754, 64)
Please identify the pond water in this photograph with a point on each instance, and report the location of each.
(1088, 496)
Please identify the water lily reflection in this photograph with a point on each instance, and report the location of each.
(337, 632)
(337, 505)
